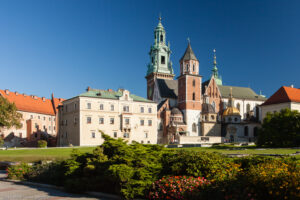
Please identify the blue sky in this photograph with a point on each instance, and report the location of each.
(63, 46)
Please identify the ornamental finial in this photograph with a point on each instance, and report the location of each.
(188, 39)
(215, 57)
(159, 17)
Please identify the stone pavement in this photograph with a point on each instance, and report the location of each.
(17, 191)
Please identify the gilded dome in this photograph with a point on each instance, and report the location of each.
(176, 111)
(231, 111)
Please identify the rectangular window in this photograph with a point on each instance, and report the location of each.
(44, 127)
(142, 122)
(112, 120)
(75, 106)
(88, 105)
(53, 127)
(126, 135)
(126, 108)
(149, 110)
(149, 122)
(44, 118)
(142, 109)
(112, 107)
(146, 135)
(50, 119)
(31, 116)
(88, 120)
(115, 134)
(101, 107)
(163, 61)
(127, 121)
(39, 117)
(101, 120)
(66, 122)
(93, 135)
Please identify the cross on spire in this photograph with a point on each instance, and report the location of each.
(188, 39)
(159, 17)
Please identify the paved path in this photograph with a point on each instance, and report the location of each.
(16, 191)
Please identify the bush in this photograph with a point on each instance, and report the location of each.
(42, 144)
(18, 172)
(1, 142)
(176, 187)
(281, 129)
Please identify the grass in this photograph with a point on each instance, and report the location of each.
(32, 155)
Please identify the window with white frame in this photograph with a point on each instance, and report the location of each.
(149, 122)
(142, 109)
(101, 120)
(115, 134)
(88, 105)
(146, 135)
(126, 135)
(93, 135)
(101, 106)
(126, 108)
(127, 121)
(149, 110)
(112, 107)
(142, 122)
(88, 120)
(112, 120)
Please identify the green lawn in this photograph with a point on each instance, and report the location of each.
(31, 155)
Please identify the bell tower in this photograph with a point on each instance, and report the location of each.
(160, 65)
(189, 91)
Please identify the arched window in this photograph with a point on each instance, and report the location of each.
(194, 127)
(187, 68)
(161, 38)
(238, 106)
(246, 131)
(194, 96)
(193, 67)
(194, 82)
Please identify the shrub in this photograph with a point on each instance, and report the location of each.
(212, 166)
(42, 144)
(18, 172)
(176, 187)
(1, 142)
(280, 129)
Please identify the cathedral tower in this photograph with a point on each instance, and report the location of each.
(189, 91)
(160, 65)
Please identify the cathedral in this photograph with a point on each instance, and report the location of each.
(193, 111)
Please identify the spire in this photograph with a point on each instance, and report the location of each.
(214, 70)
(189, 54)
(231, 99)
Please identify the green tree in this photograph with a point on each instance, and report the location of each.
(280, 129)
(9, 116)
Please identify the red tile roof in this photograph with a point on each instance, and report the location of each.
(284, 94)
(30, 103)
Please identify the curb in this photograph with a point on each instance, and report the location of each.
(93, 194)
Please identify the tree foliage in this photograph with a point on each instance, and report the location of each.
(280, 129)
(9, 116)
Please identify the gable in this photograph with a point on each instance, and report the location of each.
(284, 94)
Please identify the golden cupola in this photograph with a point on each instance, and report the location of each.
(231, 110)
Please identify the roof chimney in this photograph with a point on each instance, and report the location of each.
(43, 98)
(17, 93)
(25, 95)
(6, 91)
(110, 90)
(292, 86)
(88, 88)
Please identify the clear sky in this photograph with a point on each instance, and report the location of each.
(63, 46)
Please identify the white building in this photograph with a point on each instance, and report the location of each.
(118, 114)
(285, 97)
